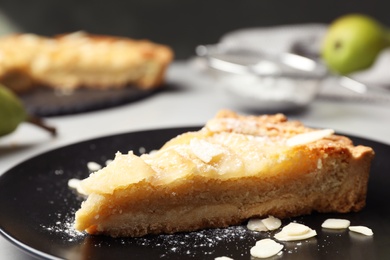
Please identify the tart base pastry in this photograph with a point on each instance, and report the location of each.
(75, 60)
(234, 168)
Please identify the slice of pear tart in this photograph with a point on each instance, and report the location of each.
(234, 168)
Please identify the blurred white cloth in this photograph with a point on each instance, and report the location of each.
(308, 38)
(276, 39)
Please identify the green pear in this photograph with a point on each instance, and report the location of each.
(353, 42)
(13, 113)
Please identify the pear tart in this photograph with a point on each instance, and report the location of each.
(234, 168)
(75, 60)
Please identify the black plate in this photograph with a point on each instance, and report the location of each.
(37, 210)
(45, 102)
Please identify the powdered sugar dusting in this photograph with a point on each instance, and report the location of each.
(205, 242)
(65, 228)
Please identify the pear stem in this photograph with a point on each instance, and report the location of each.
(39, 122)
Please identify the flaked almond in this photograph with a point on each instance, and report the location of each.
(266, 248)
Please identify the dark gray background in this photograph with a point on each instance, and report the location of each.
(182, 24)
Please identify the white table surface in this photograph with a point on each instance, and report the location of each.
(192, 101)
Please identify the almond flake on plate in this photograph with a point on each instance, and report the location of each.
(295, 231)
(266, 248)
(362, 230)
(335, 223)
